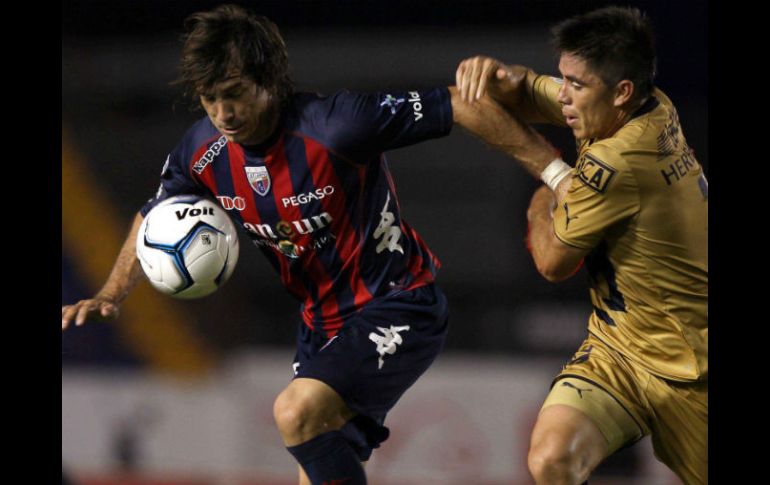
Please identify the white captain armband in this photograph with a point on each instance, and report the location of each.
(555, 173)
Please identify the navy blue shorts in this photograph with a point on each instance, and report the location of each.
(376, 357)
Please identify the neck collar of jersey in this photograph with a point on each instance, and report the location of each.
(649, 105)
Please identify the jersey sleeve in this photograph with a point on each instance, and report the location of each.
(361, 123)
(175, 178)
(544, 96)
(603, 193)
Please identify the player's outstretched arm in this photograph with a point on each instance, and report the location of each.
(509, 85)
(504, 131)
(123, 277)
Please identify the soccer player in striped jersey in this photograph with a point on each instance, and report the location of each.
(304, 175)
(635, 208)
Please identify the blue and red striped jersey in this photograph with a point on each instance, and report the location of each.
(317, 197)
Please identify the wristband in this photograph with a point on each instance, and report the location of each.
(555, 173)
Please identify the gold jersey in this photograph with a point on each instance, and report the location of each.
(639, 201)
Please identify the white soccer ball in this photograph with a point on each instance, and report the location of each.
(187, 246)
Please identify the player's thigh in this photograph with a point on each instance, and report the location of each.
(594, 408)
(564, 434)
(680, 428)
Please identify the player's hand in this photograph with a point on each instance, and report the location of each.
(98, 307)
(482, 75)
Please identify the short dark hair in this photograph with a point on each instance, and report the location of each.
(229, 37)
(616, 42)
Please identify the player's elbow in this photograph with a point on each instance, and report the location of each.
(553, 276)
(554, 271)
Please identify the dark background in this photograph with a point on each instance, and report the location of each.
(467, 201)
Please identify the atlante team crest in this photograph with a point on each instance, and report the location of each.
(259, 179)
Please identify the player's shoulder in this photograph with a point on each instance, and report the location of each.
(311, 101)
(547, 82)
(663, 98)
(609, 151)
(199, 133)
(639, 136)
(333, 119)
(312, 111)
(642, 131)
(602, 165)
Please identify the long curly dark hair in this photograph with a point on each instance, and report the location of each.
(230, 38)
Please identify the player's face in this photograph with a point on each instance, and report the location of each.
(588, 104)
(242, 111)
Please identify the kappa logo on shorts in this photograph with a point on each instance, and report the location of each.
(386, 343)
(390, 234)
(578, 389)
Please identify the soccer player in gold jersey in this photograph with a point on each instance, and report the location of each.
(634, 209)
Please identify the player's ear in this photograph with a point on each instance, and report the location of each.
(624, 91)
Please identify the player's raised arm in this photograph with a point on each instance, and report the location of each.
(504, 131)
(123, 277)
(509, 85)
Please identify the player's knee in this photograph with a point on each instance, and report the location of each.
(292, 415)
(552, 463)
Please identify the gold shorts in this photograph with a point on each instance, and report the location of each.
(626, 402)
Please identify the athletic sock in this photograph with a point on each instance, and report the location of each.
(328, 459)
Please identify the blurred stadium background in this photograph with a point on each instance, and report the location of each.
(181, 393)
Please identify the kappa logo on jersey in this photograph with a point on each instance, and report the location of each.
(210, 154)
(596, 174)
(557, 80)
(392, 102)
(302, 199)
(230, 203)
(387, 342)
(259, 179)
(385, 230)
